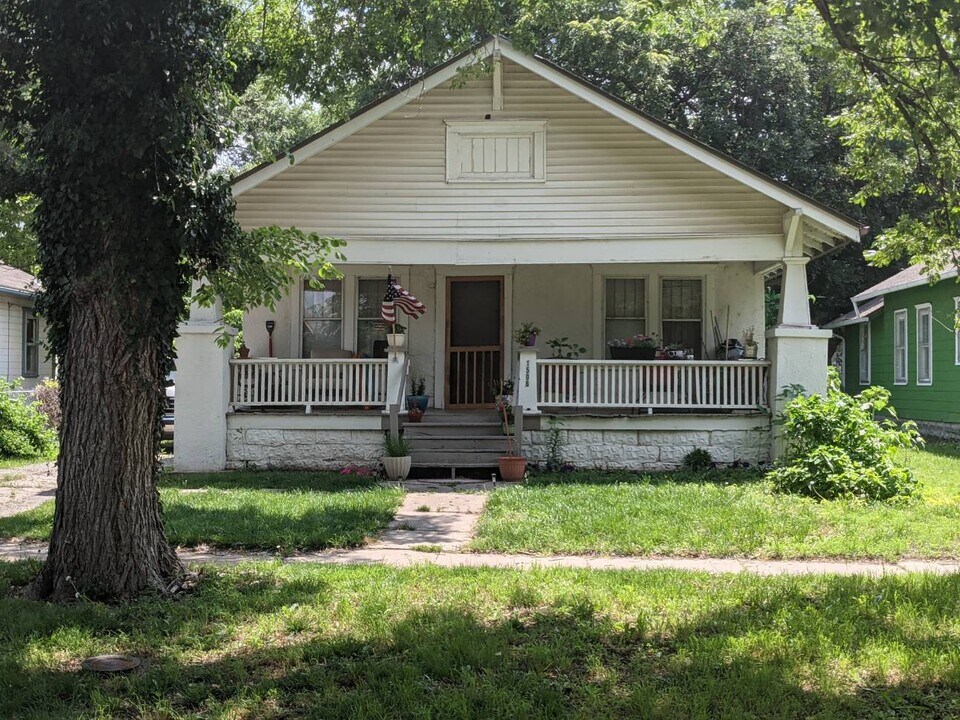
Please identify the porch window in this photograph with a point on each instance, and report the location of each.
(865, 353)
(900, 347)
(924, 345)
(681, 313)
(322, 317)
(370, 326)
(31, 345)
(626, 308)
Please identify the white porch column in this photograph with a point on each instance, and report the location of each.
(202, 393)
(396, 377)
(525, 382)
(796, 348)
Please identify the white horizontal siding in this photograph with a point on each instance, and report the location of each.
(604, 179)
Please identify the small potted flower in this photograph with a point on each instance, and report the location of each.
(637, 347)
(526, 334)
(418, 395)
(396, 460)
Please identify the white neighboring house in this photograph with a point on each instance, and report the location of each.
(517, 194)
(23, 354)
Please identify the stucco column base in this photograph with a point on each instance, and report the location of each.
(202, 399)
(798, 356)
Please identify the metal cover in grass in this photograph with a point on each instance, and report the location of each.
(110, 663)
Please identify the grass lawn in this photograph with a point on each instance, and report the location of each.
(333, 642)
(255, 510)
(13, 463)
(735, 515)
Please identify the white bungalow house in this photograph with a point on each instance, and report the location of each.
(23, 359)
(517, 194)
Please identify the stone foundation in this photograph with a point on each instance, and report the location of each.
(651, 446)
(302, 442)
(939, 431)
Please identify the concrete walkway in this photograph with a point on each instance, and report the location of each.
(24, 488)
(432, 527)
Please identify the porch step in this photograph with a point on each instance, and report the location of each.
(452, 430)
(462, 439)
(491, 443)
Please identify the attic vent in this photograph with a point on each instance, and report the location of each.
(496, 151)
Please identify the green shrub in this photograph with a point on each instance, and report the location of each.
(697, 460)
(837, 448)
(24, 431)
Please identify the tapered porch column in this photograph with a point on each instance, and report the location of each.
(796, 348)
(202, 393)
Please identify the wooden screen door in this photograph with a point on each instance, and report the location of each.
(474, 340)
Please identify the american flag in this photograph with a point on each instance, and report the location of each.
(397, 297)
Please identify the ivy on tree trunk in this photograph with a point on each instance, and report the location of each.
(116, 109)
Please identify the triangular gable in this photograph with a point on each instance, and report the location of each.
(822, 226)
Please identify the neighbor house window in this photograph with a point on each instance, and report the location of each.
(900, 347)
(681, 313)
(865, 353)
(924, 345)
(322, 317)
(625, 308)
(31, 345)
(956, 330)
(370, 326)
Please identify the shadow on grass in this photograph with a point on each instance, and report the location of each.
(248, 526)
(267, 479)
(785, 649)
(942, 449)
(617, 477)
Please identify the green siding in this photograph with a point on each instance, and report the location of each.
(938, 402)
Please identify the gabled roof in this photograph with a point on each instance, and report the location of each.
(17, 282)
(859, 314)
(825, 226)
(913, 276)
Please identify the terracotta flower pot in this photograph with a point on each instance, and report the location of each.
(397, 467)
(512, 468)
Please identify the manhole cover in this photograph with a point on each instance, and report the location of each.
(110, 663)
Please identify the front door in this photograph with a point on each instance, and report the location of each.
(474, 341)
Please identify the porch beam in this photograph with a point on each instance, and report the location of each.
(793, 233)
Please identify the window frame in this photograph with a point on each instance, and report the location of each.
(865, 349)
(703, 306)
(928, 309)
(29, 316)
(303, 315)
(903, 379)
(956, 331)
(604, 319)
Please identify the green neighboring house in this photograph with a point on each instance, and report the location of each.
(902, 335)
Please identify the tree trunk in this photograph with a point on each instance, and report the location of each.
(108, 539)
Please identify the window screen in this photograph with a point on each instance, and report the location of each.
(322, 317)
(625, 308)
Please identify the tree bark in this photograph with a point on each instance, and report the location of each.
(108, 538)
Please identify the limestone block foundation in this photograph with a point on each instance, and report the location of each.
(655, 442)
(302, 442)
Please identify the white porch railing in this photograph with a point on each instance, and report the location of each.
(313, 383)
(686, 384)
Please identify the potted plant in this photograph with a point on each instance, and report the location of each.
(512, 466)
(397, 338)
(749, 345)
(418, 395)
(526, 334)
(563, 349)
(415, 414)
(637, 347)
(501, 389)
(562, 381)
(675, 351)
(396, 460)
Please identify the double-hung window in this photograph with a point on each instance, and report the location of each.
(370, 325)
(900, 347)
(924, 345)
(625, 307)
(322, 317)
(31, 344)
(865, 353)
(681, 313)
